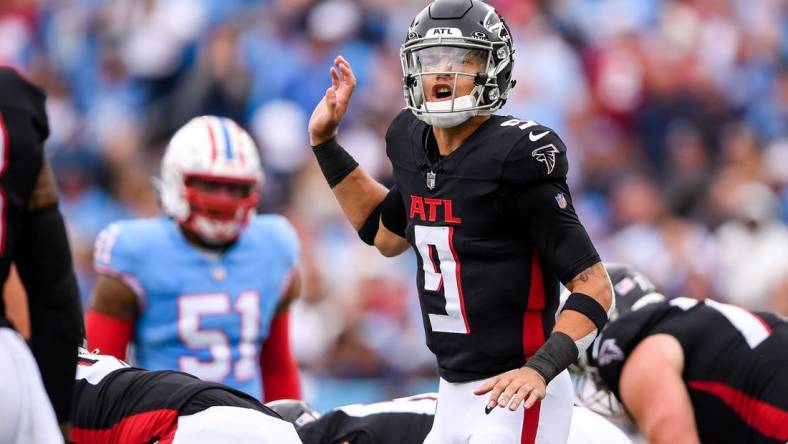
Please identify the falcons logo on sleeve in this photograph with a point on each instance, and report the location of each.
(546, 154)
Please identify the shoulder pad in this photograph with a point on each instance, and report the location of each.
(278, 228)
(18, 93)
(121, 246)
(400, 135)
(402, 120)
(538, 153)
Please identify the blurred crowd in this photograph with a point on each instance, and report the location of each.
(675, 113)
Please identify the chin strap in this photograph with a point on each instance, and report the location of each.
(447, 120)
(440, 114)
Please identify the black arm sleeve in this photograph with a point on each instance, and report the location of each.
(392, 212)
(545, 210)
(44, 263)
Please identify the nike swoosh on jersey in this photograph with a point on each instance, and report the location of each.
(534, 137)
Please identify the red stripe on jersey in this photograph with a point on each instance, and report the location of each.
(134, 429)
(533, 327)
(762, 321)
(530, 424)
(213, 139)
(459, 280)
(430, 248)
(767, 419)
(5, 147)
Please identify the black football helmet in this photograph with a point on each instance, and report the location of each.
(457, 29)
(294, 411)
(631, 291)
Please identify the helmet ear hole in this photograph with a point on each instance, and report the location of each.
(493, 94)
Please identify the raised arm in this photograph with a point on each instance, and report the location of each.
(359, 195)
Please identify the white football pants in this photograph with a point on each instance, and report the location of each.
(233, 425)
(460, 416)
(26, 415)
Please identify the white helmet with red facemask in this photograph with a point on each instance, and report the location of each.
(205, 156)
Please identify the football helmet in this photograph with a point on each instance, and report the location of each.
(294, 411)
(441, 38)
(631, 290)
(207, 155)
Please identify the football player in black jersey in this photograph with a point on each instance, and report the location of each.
(691, 371)
(483, 201)
(408, 421)
(118, 404)
(33, 236)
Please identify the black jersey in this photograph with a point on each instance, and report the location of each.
(116, 403)
(23, 129)
(734, 365)
(401, 421)
(488, 275)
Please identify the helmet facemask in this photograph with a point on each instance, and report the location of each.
(592, 393)
(219, 208)
(445, 84)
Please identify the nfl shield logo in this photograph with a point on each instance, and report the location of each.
(430, 180)
(561, 200)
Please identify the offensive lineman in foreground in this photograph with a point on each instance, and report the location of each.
(118, 404)
(690, 371)
(483, 201)
(408, 421)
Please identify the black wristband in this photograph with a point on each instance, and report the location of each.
(369, 230)
(334, 161)
(554, 356)
(589, 307)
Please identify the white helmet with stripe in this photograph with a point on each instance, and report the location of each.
(207, 155)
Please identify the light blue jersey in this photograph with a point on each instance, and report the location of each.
(201, 313)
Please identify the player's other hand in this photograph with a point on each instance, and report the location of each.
(329, 112)
(512, 388)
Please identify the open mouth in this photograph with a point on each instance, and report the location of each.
(441, 91)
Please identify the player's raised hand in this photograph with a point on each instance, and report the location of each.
(329, 112)
(512, 388)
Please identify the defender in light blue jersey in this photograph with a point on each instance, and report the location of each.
(203, 290)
